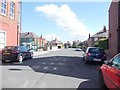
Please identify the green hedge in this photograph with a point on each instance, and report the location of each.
(103, 43)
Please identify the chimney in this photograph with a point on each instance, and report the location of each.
(41, 36)
(55, 39)
(89, 35)
(104, 29)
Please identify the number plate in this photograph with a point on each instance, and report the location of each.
(6, 53)
(7, 60)
(97, 59)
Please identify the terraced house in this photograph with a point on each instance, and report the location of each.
(10, 22)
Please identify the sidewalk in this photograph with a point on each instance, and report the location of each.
(43, 52)
(39, 53)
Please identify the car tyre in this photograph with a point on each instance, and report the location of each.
(31, 56)
(101, 80)
(20, 58)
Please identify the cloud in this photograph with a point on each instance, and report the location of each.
(50, 37)
(65, 18)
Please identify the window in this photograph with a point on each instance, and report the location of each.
(96, 50)
(3, 7)
(12, 9)
(116, 62)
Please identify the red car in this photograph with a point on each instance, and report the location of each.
(109, 74)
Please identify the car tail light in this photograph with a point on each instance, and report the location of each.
(104, 55)
(88, 54)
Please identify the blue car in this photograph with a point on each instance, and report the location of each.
(94, 54)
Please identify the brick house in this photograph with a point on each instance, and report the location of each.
(30, 40)
(42, 41)
(96, 37)
(9, 22)
(56, 44)
(114, 29)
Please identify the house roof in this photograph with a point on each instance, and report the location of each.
(28, 35)
(101, 34)
(55, 41)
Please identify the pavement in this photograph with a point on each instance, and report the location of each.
(43, 52)
(39, 53)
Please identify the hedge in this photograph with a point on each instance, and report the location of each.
(102, 43)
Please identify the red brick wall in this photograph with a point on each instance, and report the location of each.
(113, 26)
(10, 25)
(90, 42)
(40, 42)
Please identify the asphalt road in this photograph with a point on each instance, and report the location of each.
(57, 69)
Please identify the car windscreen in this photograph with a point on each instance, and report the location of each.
(96, 50)
(22, 48)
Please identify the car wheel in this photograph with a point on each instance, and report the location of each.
(31, 56)
(3, 61)
(20, 58)
(101, 80)
(83, 58)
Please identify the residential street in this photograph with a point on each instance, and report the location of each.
(56, 69)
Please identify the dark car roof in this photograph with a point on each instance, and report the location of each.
(13, 46)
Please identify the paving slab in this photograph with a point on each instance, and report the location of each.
(58, 81)
(19, 77)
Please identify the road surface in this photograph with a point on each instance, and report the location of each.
(57, 69)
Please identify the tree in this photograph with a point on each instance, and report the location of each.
(74, 45)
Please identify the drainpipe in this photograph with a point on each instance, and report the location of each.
(20, 23)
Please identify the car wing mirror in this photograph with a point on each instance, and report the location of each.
(107, 62)
(29, 49)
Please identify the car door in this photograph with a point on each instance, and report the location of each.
(113, 73)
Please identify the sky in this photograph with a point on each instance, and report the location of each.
(66, 21)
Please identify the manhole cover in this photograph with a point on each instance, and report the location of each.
(15, 69)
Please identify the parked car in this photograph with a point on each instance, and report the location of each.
(78, 49)
(16, 53)
(94, 54)
(109, 73)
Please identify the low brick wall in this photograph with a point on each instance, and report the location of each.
(108, 54)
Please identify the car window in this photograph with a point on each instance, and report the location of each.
(116, 62)
(23, 48)
(96, 50)
(9, 48)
